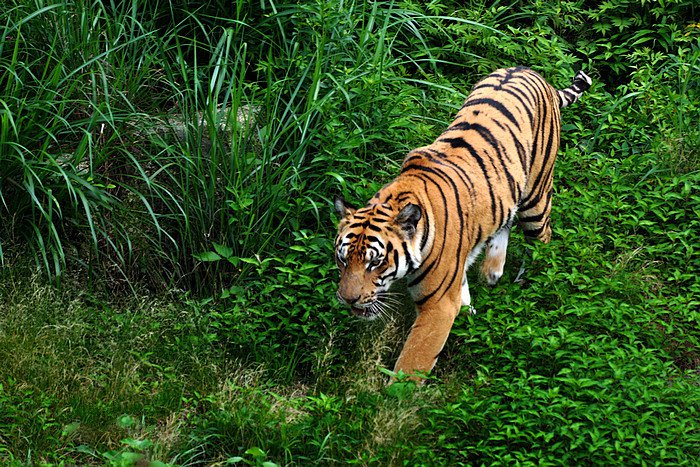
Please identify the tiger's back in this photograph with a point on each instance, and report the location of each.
(507, 130)
(454, 198)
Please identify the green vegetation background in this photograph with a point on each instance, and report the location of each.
(167, 287)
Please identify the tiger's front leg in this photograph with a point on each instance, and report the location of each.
(427, 337)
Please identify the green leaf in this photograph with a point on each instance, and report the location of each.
(127, 458)
(70, 429)
(401, 389)
(223, 250)
(207, 256)
(126, 421)
(256, 452)
(138, 444)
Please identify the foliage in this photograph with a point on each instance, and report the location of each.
(171, 146)
(61, 123)
(614, 36)
(238, 136)
(279, 312)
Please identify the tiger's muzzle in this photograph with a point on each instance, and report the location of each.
(365, 310)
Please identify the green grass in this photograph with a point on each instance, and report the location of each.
(167, 289)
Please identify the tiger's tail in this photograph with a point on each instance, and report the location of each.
(571, 94)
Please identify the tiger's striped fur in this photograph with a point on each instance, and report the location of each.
(492, 166)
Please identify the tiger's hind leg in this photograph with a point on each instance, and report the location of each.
(536, 225)
(495, 257)
(535, 220)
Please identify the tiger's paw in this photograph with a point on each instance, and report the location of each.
(492, 277)
(492, 270)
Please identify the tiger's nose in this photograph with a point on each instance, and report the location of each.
(348, 301)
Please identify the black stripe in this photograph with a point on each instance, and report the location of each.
(522, 153)
(531, 201)
(409, 260)
(426, 228)
(412, 158)
(446, 161)
(462, 143)
(526, 90)
(496, 105)
(530, 219)
(427, 171)
(546, 154)
(491, 140)
(418, 279)
(379, 212)
(423, 175)
(460, 215)
(501, 213)
(540, 124)
(479, 235)
(534, 233)
(396, 264)
(403, 196)
(518, 94)
(535, 196)
(485, 134)
(374, 239)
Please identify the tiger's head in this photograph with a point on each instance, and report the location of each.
(376, 245)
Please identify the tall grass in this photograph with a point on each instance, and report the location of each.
(67, 83)
(137, 135)
(274, 113)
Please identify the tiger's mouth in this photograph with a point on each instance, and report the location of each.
(368, 312)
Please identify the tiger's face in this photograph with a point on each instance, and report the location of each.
(376, 245)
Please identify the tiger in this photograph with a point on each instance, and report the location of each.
(453, 199)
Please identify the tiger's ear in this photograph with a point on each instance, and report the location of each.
(408, 218)
(342, 208)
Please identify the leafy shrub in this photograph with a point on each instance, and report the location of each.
(287, 309)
